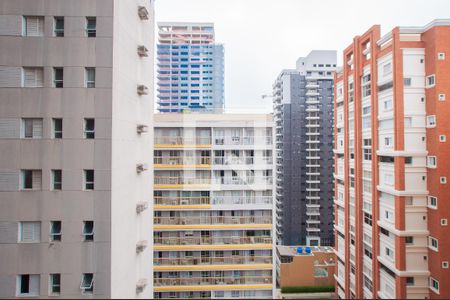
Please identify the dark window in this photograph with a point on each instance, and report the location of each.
(59, 26)
(88, 179)
(27, 179)
(91, 26)
(57, 128)
(57, 179)
(58, 77)
(25, 284)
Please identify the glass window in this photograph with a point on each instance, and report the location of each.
(91, 26)
(58, 26)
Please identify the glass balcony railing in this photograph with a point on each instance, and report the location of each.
(181, 180)
(212, 240)
(230, 260)
(212, 220)
(228, 280)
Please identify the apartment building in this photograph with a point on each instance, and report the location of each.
(190, 68)
(76, 109)
(303, 117)
(392, 234)
(213, 235)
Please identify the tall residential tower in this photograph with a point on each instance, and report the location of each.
(392, 164)
(75, 141)
(190, 68)
(303, 116)
(213, 223)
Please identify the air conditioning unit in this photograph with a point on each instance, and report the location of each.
(143, 12)
(142, 51)
(141, 128)
(142, 90)
(140, 285)
(141, 168)
(140, 246)
(141, 206)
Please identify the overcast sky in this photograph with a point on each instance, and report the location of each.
(262, 37)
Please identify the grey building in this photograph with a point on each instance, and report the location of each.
(303, 116)
(76, 104)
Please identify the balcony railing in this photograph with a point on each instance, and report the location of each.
(232, 160)
(212, 220)
(242, 140)
(199, 200)
(181, 180)
(230, 260)
(181, 160)
(243, 181)
(231, 200)
(229, 280)
(181, 140)
(212, 240)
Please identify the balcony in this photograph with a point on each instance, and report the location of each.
(182, 142)
(180, 182)
(242, 140)
(233, 200)
(174, 162)
(213, 240)
(268, 180)
(213, 220)
(181, 201)
(229, 260)
(225, 280)
(235, 160)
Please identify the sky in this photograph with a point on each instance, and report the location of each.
(263, 37)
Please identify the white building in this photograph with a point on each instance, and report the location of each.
(213, 225)
(75, 105)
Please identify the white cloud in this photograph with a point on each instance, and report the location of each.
(262, 37)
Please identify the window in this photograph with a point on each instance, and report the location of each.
(58, 26)
(407, 81)
(444, 222)
(443, 180)
(441, 97)
(91, 27)
(387, 69)
(431, 121)
(28, 285)
(434, 284)
(58, 77)
(57, 128)
(33, 26)
(409, 281)
(445, 265)
(29, 232)
(90, 77)
(55, 284)
(441, 56)
(433, 243)
(89, 128)
(368, 219)
(387, 104)
(87, 283)
(88, 179)
(32, 128)
(430, 81)
(31, 179)
(388, 141)
(431, 161)
(55, 231)
(409, 240)
(88, 231)
(56, 179)
(442, 138)
(33, 77)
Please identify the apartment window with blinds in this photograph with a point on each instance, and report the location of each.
(58, 26)
(33, 77)
(29, 232)
(55, 231)
(91, 26)
(58, 77)
(88, 231)
(89, 128)
(90, 77)
(31, 128)
(33, 26)
(57, 128)
(88, 179)
(54, 284)
(56, 180)
(31, 179)
(28, 285)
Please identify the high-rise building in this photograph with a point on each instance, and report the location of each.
(190, 67)
(391, 158)
(76, 110)
(213, 235)
(303, 116)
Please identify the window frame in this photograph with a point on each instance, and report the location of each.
(53, 235)
(87, 288)
(89, 83)
(88, 236)
(58, 83)
(91, 32)
(57, 134)
(58, 32)
(52, 285)
(89, 133)
(56, 185)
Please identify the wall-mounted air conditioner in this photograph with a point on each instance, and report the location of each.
(140, 128)
(140, 246)
(142, 51)
(141, 206)
(142, 90)
(140, 285)
(141, 168)
(143, 12)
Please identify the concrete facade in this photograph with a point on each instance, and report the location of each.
(391, 166)
(303, 116)
(31, 88)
